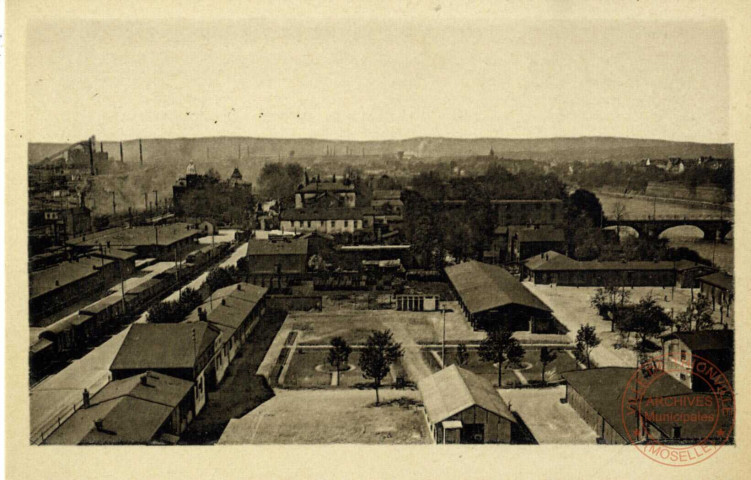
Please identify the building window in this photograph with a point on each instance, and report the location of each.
(333, 223)
(683, 377)
(346, 223)
(308, 223)
(683, 355)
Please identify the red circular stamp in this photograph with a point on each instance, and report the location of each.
(678, 409)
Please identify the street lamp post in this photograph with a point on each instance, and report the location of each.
(443, 343)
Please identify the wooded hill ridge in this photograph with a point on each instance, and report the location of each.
(589, 149)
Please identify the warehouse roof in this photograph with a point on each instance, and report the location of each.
(718, 279)
(705, 339)
(62, 274)
(149, 346)
(138, 236)
(131, 412)
(564, 263)
(283, 247)
(483, 287)
(454, 389)
(603, 390)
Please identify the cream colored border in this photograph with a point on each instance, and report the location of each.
(349, 461)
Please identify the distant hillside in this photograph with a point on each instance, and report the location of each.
(225, 149)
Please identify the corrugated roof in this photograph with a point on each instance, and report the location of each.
(454, 389)
(265, 247)
(483, 287)
(149, 346)
(705, 339)
(718, 279)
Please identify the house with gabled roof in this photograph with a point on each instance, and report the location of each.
(462, 407)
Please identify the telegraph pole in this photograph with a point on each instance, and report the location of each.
(114, 205)
(156, 201)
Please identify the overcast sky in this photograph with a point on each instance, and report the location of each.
(376, 80)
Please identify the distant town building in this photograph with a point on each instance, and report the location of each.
(326, 194)
(328, 220)
(278, 260)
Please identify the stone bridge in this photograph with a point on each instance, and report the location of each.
(712, 228)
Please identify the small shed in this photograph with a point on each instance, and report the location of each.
(462, 407)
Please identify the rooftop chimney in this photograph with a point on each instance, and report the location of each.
(145, 379)
(86, 398)
(202, 316)
(239, 286)
(99, 424)
(224, 301)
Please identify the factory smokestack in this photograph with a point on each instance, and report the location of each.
(140, 150)
(92, 148)
(121, 152)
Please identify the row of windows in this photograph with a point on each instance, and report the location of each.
(309, 223)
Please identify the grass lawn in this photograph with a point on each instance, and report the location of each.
(532, 372)
(302, 371)
(332, 416)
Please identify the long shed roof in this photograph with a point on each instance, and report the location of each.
(483, 287)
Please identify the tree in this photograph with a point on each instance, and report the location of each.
(213, 175)
(189, 299)
(164, 312)
(462, 356)
(647, 319)
(587, 203)
(547, 355)
(609, 301)
(379, 353)
(619, 210)
(338, 354)
(498, 346)
(279, 180)
(697, 316)
(219, 277)
(586, 341)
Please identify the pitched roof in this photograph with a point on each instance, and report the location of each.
(150, 346)
(283, 247)
(131, 412)
(138, 236)
(387, 194)
(483, 287)
(57, 276)
(688, 405)
(537, 260)
(603, 390)
(718, 279)
(454, 389)
(705, 339)
(564, 263)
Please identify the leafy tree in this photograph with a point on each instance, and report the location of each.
(338, 354)
(213, 175)
(220, 277)
(647, 319)
(462, 355)
(279, 180)
(498, 346)
(379, 353)
(164, 312)
(547, 355)
(586, 203)
(610, 301)
(189, 299)
(586, 341)
(697, 316)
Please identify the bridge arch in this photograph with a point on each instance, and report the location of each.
(625, 231)
(683, 232)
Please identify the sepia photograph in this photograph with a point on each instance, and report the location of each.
(344, 229)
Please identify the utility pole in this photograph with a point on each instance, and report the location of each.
(114, 205)
(443, 343)
(146, 201)
(156, 201)
(156, 233)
